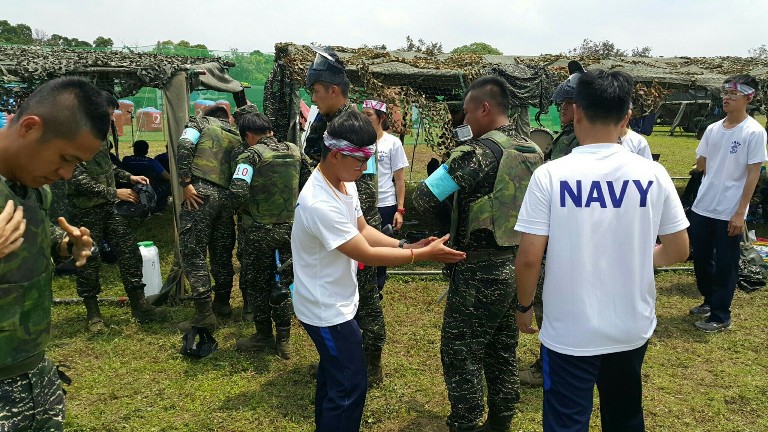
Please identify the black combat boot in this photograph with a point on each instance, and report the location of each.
(467, 428)
(204, 317)
(498, 423)
(373, 367)
(93, 315)
(261, 340)
(221, 306)
(282, 337)
(141, 310)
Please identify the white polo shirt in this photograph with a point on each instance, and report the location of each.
(325, 280)
(728, 152)
(602, 208)
(390, 156)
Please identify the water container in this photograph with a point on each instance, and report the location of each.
(151, 268)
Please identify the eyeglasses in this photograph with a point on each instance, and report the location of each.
(363, 161)
(732, 94)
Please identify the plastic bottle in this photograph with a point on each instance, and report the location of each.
(151, 277)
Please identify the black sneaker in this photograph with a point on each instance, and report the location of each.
(702, 309)
(712, 326)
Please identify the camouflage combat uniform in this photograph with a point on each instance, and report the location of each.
(370, 316)
(564, 143)
(279, 172)
(211, 227)
(479, 334)
(31, 397)
(92, 195)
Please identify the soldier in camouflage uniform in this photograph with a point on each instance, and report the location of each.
(62, 122)
(328, 83)
(488, 176)
(266, 183)
(204, 162)
(92, 193)
(563, 98)
(564, 143)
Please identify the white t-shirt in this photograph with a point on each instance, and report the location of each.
(602, 208)
(637, 144)
(390, 156)
(325, 280)
(728, 152)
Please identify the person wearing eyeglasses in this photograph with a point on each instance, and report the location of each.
(563, 97)
(328, 83)
(730, 154)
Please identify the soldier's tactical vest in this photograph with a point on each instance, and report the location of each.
(100, 170)
(498, 210)
(275, 185)
(25, 286)
(214, 154)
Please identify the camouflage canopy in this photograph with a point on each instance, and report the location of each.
(430, 83)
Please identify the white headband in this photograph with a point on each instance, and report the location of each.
(374, 104)
(347, 148)
(747, 90)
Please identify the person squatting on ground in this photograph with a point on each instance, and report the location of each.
(730, 155)
(141, 165)
(328, 83)
(266, 184)
(329, 236)
(63, 122)
(597, 212)
(93, 193)
(390, 162)
(488, 175)
(205, 166)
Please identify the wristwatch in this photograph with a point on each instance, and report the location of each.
(185, 183)
(401, 210)
(402, 243)
(523, 309)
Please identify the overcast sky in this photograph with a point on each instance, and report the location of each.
(524, 27)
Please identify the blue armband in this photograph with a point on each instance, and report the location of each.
(441, 184)
(371, 168)
(193, 135)
(243, 172)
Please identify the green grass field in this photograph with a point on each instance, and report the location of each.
(132, 378)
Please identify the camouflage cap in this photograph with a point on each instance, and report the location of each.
(243, 110)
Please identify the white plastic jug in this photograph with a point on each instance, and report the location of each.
(151, 268)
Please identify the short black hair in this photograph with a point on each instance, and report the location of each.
(343, 87)
(66, 106)
(353, 127)
(255, 122)
(745, 79)
(382, 116)
(604, 96)
(111, 100)
(491, 89)
(140, 148)
(217, 111)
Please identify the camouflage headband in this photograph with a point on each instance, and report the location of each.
(747, 90)
(374, 104)
(347, 148)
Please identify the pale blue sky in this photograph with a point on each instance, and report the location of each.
(525, 27)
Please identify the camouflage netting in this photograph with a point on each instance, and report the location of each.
(122, 71)
(431, 83)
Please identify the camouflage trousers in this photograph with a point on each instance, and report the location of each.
(104, 223)
(370, 316)
(33, 401)
(256, 252)
(479, 337)
(208, 230)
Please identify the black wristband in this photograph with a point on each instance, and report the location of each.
(523, 309)
(402, 243)
(184, 184)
